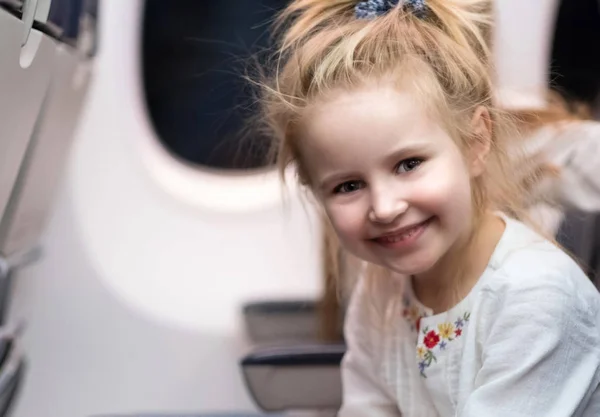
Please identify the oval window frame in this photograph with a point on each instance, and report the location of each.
(199, 187)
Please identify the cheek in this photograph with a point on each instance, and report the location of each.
(347, 220)
(447, 191)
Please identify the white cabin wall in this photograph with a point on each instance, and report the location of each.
(136, 304)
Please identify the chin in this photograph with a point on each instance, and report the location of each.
(410, 265)
(410, 270)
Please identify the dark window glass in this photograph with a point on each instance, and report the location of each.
(195, 54)
(575, 55)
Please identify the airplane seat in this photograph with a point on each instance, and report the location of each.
(291, 369)
(23, 88)
(26, 56)
(295, 377)
(186, 415)
(295, 365)
(579, 234)
(43, 79)
(12, 365)
(294, 321)
(48, 141)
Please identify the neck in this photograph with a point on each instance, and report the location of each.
(453, 277)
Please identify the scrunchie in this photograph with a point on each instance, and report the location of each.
(370, 9)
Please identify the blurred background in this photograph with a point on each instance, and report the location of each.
(151, 260)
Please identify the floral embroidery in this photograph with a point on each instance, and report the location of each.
(426, 356)
(431, 339)
(446, 330)
(446, 333)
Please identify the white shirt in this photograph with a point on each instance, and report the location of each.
(524, 342)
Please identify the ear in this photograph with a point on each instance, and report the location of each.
(481, 126)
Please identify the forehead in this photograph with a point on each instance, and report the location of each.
(351, 130)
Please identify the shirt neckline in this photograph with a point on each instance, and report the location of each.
(502, 248)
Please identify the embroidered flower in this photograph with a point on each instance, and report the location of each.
(446, 330)
(425, 362)
(431, 339)
(460, 322)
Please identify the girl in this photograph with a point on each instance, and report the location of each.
(385, 109)
(564, 152)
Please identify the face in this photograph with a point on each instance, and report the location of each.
(393, 183)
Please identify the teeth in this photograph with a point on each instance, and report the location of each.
(398, 238)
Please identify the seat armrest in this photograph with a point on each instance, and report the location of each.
(281, 307)
(295, 377)
(314, 354)
(279, 321)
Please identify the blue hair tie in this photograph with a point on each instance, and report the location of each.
(370, 9)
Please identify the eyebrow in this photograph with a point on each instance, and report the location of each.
(336, 178)
(408, 151)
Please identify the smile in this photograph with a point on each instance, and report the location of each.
(404, 237)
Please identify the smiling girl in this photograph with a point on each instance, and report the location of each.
(385, 108)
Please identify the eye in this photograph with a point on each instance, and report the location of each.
(409, 165)
(348, 187)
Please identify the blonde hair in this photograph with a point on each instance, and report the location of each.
(442, 57)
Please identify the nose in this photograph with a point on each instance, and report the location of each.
(386, 205)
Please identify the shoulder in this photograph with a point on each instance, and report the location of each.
(537, 277)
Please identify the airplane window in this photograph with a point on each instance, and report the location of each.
(195, 54)
(575, 62)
